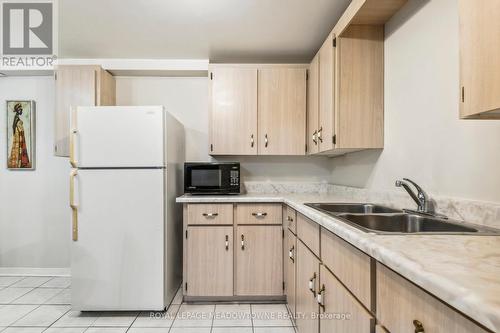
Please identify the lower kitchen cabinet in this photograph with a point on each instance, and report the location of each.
(339, 310)
(404, 307)
(259, 260)
(209, 261)
(350, 265)
(262, 259)
(289, 258)
(306, 286)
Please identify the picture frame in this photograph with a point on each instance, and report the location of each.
(21, 134)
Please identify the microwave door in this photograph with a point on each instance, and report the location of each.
(206, 179)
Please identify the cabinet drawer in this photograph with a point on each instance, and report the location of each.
(209, 214)
(290, 219)
(258, 213)
(350, 265)
(308, 232)
(400, 303)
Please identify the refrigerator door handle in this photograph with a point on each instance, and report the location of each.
(72, 148)
(73, 204)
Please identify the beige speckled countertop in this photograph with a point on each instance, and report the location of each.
(463, 271)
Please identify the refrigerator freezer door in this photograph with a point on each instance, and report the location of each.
(117, 261)
(117, 136)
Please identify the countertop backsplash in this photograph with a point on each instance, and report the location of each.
(479, 212)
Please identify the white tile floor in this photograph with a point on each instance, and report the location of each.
(42, 304)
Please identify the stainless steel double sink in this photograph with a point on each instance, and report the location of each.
(384, 220)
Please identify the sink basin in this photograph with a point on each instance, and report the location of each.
(354, 208)
(383, 220)
(406, 223)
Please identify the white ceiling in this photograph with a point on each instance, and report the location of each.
(220, 30)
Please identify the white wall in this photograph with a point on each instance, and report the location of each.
(424, 139)
(34, 214)
(187, 99)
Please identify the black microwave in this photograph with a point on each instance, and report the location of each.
(212, 178)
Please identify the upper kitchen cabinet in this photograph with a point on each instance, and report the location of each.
(313, 106)
(479, 54)
(282, 111)
(326, 95)
(257, 109)
(233, 111)
(79, 86)
(350, 112)
(359, 109)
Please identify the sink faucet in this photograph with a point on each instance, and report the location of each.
(420, 198)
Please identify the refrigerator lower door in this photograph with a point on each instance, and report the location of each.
(117, 260)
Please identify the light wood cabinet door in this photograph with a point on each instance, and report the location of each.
(282, 111)
(341, 312)
(479, 54)
(289, 260)
(326, 95)
(259, 260)
(106, 88)
(307, 276)
(209, 261)
(75, 86)
(360, 89)
(414, 304)
(233, 111)
(354, 268)
(313, 106)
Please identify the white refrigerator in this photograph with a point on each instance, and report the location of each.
(126, 228)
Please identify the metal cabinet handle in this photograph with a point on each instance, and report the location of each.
(290, 220)
(266, 141)
(312, 284)
(314, 137)
(259, 214)
(74, 205)
(320, 131)
(419, 327)
(291, 254)
(251, 141)
(209, 215)
(227, 242)
(320, 298)
(243, 242)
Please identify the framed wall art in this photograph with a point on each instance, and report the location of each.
(20, 135)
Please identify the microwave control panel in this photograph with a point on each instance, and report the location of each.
(235, 177)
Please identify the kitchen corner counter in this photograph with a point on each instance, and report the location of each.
(463, 271)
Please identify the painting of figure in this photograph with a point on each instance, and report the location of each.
(20, 135)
